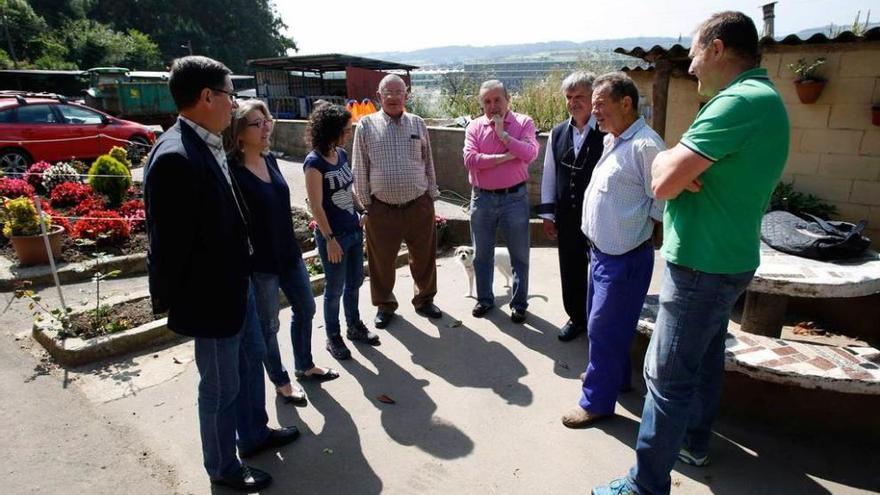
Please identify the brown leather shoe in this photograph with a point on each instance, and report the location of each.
(581, 418)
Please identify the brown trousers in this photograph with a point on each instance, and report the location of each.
(386, 227)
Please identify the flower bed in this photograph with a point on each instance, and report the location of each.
(101, 211)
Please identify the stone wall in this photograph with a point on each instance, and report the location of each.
(446, 146)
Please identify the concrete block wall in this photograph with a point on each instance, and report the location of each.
(835, 149)
(446, 147)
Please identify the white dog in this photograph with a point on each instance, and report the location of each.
(465, 257)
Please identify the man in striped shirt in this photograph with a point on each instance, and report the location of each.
(394, 179)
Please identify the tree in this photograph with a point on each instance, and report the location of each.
(209, 25)
(92, 44)
(459, 94)
(23, 25)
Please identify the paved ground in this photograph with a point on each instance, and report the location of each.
(478, 407)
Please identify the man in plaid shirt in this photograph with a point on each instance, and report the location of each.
(394, 180)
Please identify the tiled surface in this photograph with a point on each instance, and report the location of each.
(785, 274)
(843, 369)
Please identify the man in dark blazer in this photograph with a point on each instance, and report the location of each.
(199, 272)
(573, 149)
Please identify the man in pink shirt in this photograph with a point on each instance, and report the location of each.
(498, 148)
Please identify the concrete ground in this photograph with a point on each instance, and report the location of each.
(477, 410)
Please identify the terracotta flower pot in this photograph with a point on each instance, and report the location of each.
(31, 250)
(809, 91)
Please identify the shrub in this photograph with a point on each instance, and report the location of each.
(110, 177)
(15, 188)
(785, 198)
(133, 211)
(34, 175)
(70, 194)
(102, 226)
(20, 217)
(58, 174)
(120, 154)
(541, 100)
(83, 208)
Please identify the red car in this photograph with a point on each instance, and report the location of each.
(52, 129)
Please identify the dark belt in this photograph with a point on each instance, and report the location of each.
(509, 190)
(399, 206)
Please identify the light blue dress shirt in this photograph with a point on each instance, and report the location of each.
(619, 204)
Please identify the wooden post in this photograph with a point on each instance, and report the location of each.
(52, 266)
(660, 95)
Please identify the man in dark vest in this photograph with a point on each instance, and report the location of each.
(199, 272)
(573, 149)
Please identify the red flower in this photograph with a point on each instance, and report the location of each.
(70, 194)
(57, 218)
(83, 208)
(103, 226)
(133, 210)
(15, 188)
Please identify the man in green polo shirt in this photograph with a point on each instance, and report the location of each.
(717, 182)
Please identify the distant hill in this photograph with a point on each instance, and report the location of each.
(456, 55)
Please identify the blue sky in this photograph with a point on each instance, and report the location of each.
(348, 26)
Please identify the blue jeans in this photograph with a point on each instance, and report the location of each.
(510, 214)
(684, 371)
(294, 282)
(342, 280)
(617, 290)
(232, 394)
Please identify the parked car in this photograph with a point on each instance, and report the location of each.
(35, 127)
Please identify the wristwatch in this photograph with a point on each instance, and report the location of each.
(330, 236)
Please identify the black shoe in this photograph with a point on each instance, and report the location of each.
(429, 310)
(246, 479)
(337, 348)
(480, 310)
(383, 319)
(326, 376)
(518, 315)
(276, 438)
(570, 330)
(360, 333)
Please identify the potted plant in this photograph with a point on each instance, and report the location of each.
(21, 224)
(808, 84)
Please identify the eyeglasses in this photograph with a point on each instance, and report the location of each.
(231, 94)
(261, 123)
(394, 93)
(569, 159)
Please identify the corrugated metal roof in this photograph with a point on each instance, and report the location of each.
(872, 34)
(675, 52)
(329, 62)
(679, 52)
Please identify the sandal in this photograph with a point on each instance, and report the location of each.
(297, 398)
(328, 375)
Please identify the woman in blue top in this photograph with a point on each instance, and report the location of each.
(276, 260)
(339, 235)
